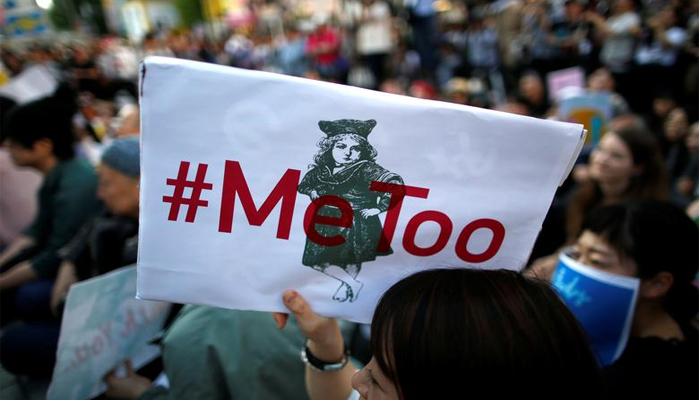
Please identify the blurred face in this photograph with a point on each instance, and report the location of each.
(623, 5)
(119, 192)
(371, 383)
(592, 250)
(663, 106)
(692, 140)
(531, 88)
(668, 17)
(346, 151)
(676, 126)
(574, 9)
(21, 156)
(612, 161)
(601, 81)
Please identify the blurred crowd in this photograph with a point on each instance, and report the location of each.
(83, 153)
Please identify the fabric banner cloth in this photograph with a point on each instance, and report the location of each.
(103, 324)
(253, 183)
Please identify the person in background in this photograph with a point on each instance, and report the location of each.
(673, 143)
(619, 35)
(374, 37)
(443, 333)
(17, 206)
(657, 243)
(214, 353)
(602, 81)
(532, 93)
(625, 165)
(687, 184)
(39, 135)
(104, 243)
(109, 240)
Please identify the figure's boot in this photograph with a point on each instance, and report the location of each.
(352, 286)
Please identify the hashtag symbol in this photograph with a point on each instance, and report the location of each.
(178, 198)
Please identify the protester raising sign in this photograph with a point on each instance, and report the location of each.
(103, 324)
(254, 183)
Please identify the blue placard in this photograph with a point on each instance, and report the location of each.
(602, 302)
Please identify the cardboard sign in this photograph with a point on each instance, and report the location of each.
(602, 302)
(103, 324)
(593, 110)
(253, 183)
(570, 78)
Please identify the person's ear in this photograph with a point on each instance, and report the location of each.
(44, 147)
(656, 287)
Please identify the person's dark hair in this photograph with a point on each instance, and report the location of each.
(462, 332)
(324, 156)
(658, 237)
(650, 183)
(6, 104)
(47, 118)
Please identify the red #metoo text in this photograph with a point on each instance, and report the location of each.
(235, 188)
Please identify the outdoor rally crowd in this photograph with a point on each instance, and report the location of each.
(627, 208)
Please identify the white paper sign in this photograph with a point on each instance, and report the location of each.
(103, 324)
(31, 84)
(232, 158)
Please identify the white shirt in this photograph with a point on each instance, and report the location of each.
(656, 53)
(618, 48)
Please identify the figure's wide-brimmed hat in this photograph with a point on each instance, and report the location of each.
(341, 126)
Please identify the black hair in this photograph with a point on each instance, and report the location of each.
(47, 118)
(448, 332)
(658, 237)
(324, 156)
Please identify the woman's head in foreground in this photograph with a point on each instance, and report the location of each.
(466, 333)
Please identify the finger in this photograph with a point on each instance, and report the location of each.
(295, 303)
(280, 319)
(109, 376)
(129, 368)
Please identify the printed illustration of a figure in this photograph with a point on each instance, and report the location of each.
(345, 166)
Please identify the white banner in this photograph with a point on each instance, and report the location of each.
(103, 324)
(32, 84)
(231, 160)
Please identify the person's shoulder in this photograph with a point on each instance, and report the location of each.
(77, 165)
(77, 172)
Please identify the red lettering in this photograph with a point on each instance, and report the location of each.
(409, 236)
(499, 232)
(130, 323)
(82, 353)
(106, 331)
(398, 192)
(311, 218)
(97, 346)
(144, 314)
(234, 182)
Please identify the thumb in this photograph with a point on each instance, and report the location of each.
(129, 368)
(295, 303)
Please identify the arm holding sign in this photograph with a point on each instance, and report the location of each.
(131, 386)
(436, 327)
(324, 342)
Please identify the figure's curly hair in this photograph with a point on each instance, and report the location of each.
(324, 157)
